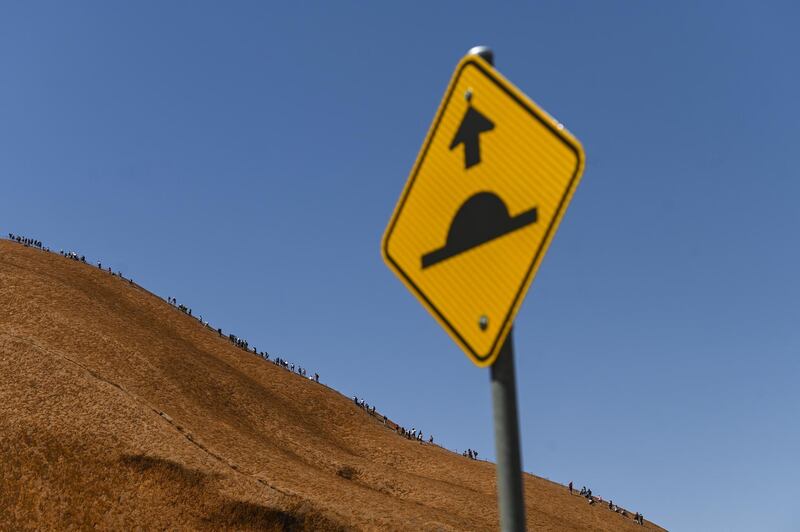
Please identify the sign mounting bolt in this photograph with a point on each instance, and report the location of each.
(468, 94)
(483, 323)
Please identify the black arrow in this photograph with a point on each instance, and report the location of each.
(472, 125)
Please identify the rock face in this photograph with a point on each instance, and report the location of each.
(119, 411)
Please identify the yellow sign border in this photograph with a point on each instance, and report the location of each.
(559, 131)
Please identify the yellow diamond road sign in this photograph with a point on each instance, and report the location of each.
(480, 207)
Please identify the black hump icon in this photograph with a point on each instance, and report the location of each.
(483, 217)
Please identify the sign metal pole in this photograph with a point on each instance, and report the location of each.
(506, 440)
(510, 498)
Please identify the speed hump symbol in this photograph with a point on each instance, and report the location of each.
(483, 201)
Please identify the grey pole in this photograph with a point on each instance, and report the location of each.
(510, 499)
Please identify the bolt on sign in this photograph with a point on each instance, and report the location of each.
(482, 203)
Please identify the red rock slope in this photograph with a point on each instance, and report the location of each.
(119, 411)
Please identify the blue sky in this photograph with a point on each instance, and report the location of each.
(246, 157)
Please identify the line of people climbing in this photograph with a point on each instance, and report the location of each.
(245, 345)
(72, 255)
(412, 434)
(31, 242)
(471, 454)
(291, 367)
(594, 499)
